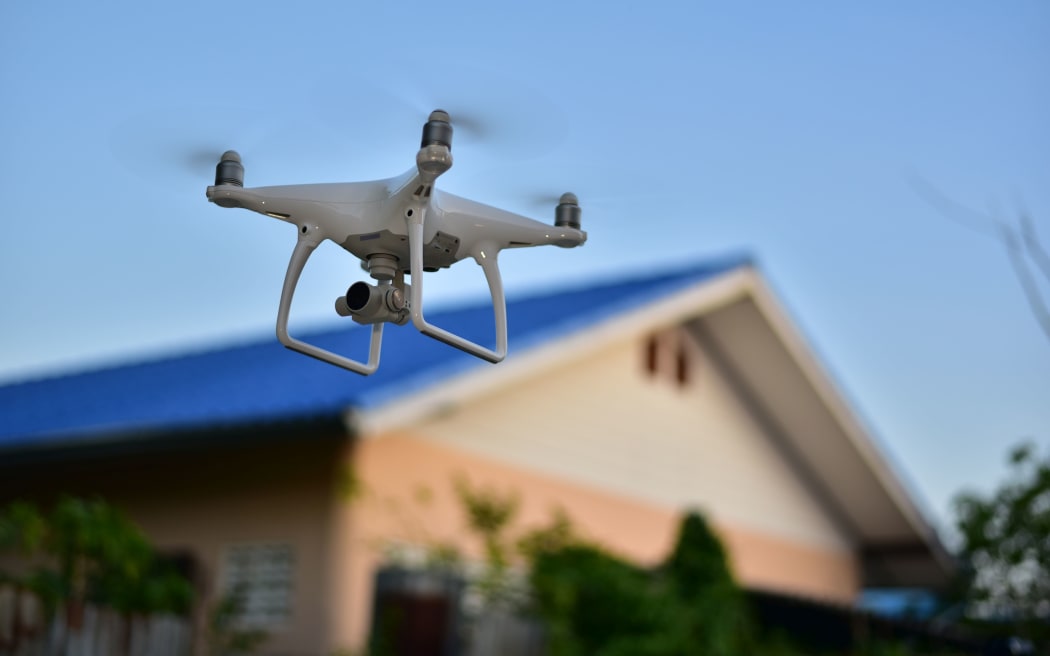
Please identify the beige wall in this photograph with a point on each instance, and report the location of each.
(604, 422)
(406, 483)
(204, 501)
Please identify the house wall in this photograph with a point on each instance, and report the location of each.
(202, 502)
(609, 423)
(623, 451)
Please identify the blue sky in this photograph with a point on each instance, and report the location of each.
(791, 131)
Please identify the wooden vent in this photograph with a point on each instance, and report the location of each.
(667, 356)
(652, 355)
(681, 364)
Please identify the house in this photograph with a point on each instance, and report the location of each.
(622, 403)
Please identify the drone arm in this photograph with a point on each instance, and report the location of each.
(308, 241)
(486, 257)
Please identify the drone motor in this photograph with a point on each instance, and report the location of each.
(229, 170)
(438, 130)
(567, 214)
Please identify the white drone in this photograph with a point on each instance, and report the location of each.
(396, 226)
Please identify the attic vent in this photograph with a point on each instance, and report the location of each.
(668, 356)
(681, 364)
(652, 354)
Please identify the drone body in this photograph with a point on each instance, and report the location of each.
(396, 226)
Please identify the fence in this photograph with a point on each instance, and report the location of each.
(421, 613)
(505, 633)
(25, 630)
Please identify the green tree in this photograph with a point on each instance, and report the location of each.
(596, 603)
(1006, 547)
(91, 553)
(713, 603)
(489, 514)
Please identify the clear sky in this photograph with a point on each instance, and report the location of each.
(793, 131)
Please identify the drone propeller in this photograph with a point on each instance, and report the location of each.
(177, 146)
(493, 115)
(607, 190)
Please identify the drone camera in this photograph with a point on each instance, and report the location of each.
(373, 304)
(567, 214)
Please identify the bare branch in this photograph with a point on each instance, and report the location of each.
(1035, 249)
(1016, 242)
(1028, 282)
(955, 211)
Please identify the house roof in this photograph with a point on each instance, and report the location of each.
(261, 382)
(724, 303)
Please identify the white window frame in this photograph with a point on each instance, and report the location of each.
(264, 574)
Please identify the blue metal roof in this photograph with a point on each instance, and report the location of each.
(262, 382)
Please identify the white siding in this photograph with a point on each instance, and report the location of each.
(604, 421)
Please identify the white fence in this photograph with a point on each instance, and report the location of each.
(505, 633)
(25, 631)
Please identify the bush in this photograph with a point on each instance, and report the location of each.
(596, 603)
(94, 554)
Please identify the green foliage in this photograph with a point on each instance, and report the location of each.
(489, 513)
(1006, 544)
(22, 528)
(595, 603)
(225, 636)
(698, 560)
(49, 588)
(698, 572)
(548, 539)
(95, 554)
(348, 485)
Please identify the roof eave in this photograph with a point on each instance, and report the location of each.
(925, 559)
(105, 444)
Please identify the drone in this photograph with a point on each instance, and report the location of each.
(396, 226)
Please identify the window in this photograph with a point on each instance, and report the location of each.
(260, 574)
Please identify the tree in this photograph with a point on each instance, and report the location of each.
(489, 514)
(699, 571)
(596, 603)
(92, 554)
(1006, 547)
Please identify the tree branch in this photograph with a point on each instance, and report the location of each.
(1024, 276)
(1017, 242)
(1035, 249)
